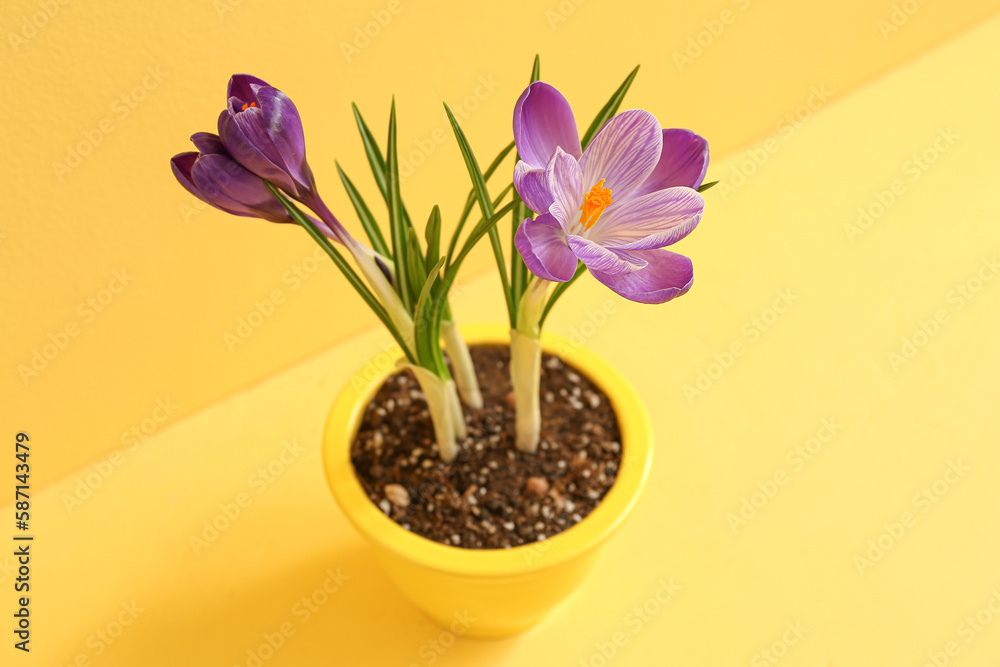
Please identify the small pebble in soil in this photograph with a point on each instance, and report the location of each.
(492, 496)
(397, 495)
(538, 486)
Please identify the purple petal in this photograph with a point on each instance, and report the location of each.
(208, 143)
(532, 186)
(249, 156)
(651, 221)
(181, 165)
(284, 128)
(565, 183)
(242, 90)
(542, 244)
(623, 153)
(666, 276)
(227, 185)
(543, 121)
(683, 161)
(607, 260)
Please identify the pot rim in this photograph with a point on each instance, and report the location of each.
(637, 456)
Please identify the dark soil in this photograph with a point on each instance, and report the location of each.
(492, 495)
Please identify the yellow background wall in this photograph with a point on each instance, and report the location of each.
(106, 260)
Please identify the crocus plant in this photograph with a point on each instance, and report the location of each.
(608, 203)
(256, 167)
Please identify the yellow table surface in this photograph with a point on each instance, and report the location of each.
(827, 495)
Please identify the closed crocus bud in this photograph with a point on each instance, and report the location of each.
(213, 176)
(261, 128)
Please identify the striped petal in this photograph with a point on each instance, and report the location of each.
(542, 244)
(651, 221)
(666, 276)
(543, 122)
(623, 153)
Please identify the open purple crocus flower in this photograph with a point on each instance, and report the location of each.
(613, 207)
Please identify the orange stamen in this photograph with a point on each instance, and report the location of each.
(594, 203)
(244, 107)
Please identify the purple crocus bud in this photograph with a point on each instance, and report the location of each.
(261, 128)
(214, 177)
(211, 175)
(615, 206)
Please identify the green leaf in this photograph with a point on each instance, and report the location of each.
(432, 234)
(486, 205)
(706, 186)
(609, 109)
(471, 199)
(424, 325)
(452, 268)
(364, 214)
(536, 69)
(375, 160)
(397, 223)
(352, 277)
(558, 291)
(417, 270)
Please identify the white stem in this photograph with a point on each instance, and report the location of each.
(526, 363)
(461, 365)
(387, 296)
(525, 375)
(439, 403)
(457, 415)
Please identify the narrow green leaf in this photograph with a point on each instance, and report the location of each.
(558, 291)
(428, 347)
(375, 159)
(609, 109)
(452, 269)
(706, 186)
(471, 199)
(416, 269)
(432, 234)
(486, 205)
(364, 214)
(396, 221)
(496, 202)
(352, 277)
(536, 69)
(518, 270)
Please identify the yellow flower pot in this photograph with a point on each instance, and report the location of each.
(492, 592)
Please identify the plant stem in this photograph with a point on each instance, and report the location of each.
(461, 364)
(526, 364)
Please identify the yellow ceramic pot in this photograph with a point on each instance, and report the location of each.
(492, 592)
